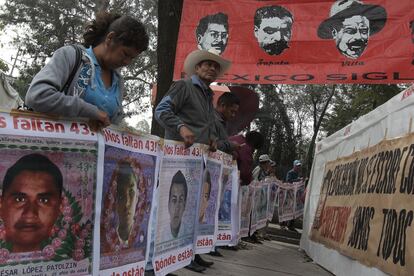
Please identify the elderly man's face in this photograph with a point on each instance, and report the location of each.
(29, 209)
(176, 206)
(127, 197)
(215, 37)
(207, 71)
(274, 34)
(352, 39)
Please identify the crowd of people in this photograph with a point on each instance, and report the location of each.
(84, 81)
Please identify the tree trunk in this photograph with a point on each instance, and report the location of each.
(101, 5)
(169, 16)
(316, 125)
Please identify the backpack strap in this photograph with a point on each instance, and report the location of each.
(78, 51)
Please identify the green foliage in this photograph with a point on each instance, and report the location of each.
(276, 126)
(47, 24)
(353, 101)
(3, 66)
(307, 105)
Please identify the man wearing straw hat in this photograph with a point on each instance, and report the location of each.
(186, 111)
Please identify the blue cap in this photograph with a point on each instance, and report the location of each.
(297, 163)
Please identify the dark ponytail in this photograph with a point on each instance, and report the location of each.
(128, 31)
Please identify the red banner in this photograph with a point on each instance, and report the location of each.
(303, 41)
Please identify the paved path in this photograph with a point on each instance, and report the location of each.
(271, 258)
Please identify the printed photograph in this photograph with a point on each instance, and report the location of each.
(126, 206)
(46, 203)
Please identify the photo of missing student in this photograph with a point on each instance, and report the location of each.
(225, 196)
(208, 206)
(179, 186)
(46, 203)
(126, 205)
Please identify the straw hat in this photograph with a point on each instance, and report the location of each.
(197, 56)
(264, 158)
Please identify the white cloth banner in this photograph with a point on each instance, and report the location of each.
(390, 120)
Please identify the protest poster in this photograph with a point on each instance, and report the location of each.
(256, 186)
(207, 219)
(129, 172)
(273, 192)
(309, 44)
(286, 208)
(152, 230)
(262, 204)
(299, 198)
(235, 205)
(365, 208)
(247, 193)
(226, 204)
(180, 177)
(48, 173)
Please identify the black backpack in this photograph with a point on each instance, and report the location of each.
(75, 68)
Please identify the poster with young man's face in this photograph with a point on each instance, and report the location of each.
(46, 203)
(126, 201)
(180, 181)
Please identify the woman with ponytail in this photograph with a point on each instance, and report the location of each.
(83, 81)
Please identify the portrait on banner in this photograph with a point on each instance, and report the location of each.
(212, 32)
(225, 196)
(126, 204)
(205, 197)
(295, 42)
(247, 193)
(350, 24)
(300, 198)
(208, 201)
(286, 202)
(177, 200)
(273, 29)
(179, 193)
(46, 203)
(263, 202)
